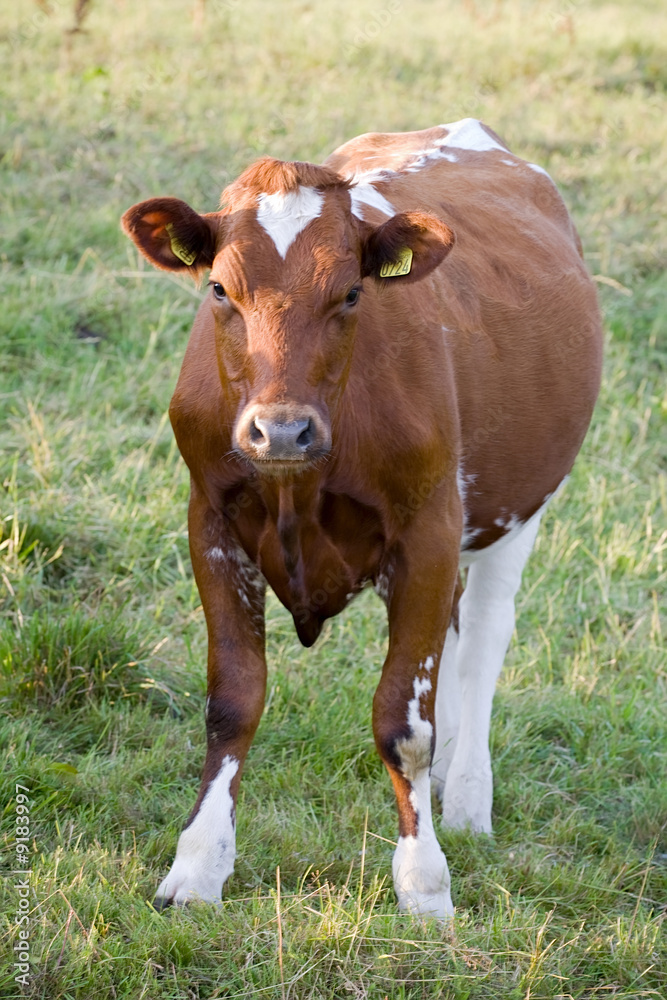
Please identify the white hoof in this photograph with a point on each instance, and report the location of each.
(421, 878)
(186, 884)
(206, 848)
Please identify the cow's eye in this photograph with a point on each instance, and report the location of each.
(352, 297)
(218, 290)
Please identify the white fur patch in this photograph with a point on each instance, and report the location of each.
(469, 534)
(540, 170)
(419, 867)
(469, 134)
(421, 875)
(364, 194)
(486, 623)
(207, 847)
(382, 585)
(284, 216)
(447, 713)
(421, 728)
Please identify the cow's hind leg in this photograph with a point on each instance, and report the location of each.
(486, 623)
(447, 712)
(448, 702)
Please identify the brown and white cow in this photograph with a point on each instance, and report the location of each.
(391, 374)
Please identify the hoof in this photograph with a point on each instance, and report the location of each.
(161, 903)
(438, 906)
(421, 878)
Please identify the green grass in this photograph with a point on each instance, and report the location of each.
(102, 640)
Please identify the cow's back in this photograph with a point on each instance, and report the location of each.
(518, 308)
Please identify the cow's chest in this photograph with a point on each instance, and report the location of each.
(316, 552)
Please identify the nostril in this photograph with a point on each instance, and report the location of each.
(255, 434)
(306, 436)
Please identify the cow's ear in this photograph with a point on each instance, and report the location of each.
(406, 248)
(171, 235)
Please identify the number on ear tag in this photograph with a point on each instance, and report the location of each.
(396, 268)
(178, 249)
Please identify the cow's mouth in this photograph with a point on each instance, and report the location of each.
(280, 467)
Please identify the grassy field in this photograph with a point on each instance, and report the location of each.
(102, 639)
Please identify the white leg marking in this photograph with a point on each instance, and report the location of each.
(421, 875)
(207, 847)
(447, 713)
(486, 623)
(284, 216)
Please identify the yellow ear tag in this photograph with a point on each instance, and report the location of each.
(396, 268)
(187, 256)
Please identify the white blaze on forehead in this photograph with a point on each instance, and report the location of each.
(284, 215)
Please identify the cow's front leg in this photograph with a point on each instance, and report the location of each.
(403, 722)
(232, 593)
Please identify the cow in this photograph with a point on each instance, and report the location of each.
(391, 375)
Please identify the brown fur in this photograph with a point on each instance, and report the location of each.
(487, 359)
(270, 176)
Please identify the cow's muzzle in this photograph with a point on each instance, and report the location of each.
(281, 436)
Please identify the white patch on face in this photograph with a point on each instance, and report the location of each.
(284, 215)
(207, 847)
(365, 194)
(468, 134)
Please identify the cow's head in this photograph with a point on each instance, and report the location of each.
(290, 255)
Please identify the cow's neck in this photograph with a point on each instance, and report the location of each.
(317, 549)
